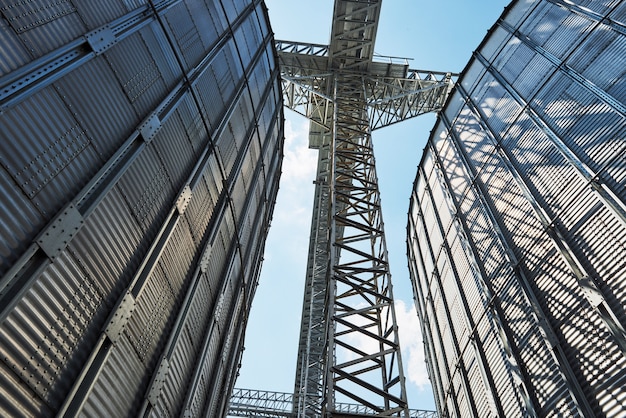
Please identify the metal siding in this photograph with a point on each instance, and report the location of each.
(50, 332)
(185, 34)
(566, 30)
(177, 258)
(96, 14)
(133, 4)
(175, 151)
(192, 122)
(14, 53)
(20, 222)
(207, 17)
(589, 127)
(18, 399)
(199, 211)
(110, 245)
(148, 326)
(137, 70)
(104, 99)
(122, 377)
(210, 99)
(148, 191)
(599, 68)
(101, 108)
(46, 151)
(43, 25)
(574, 113)
(185, 355)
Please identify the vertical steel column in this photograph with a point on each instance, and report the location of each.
(363, 354)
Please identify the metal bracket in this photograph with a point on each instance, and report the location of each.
(183, 199)
(591, 291)
(159, 381)
(60, 232)
(101, 39)
(150, 127)
(206, 256)
(120, 318)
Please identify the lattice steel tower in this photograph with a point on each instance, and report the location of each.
(348, 339)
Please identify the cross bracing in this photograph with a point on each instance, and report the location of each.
(348, 348)
(265, 404)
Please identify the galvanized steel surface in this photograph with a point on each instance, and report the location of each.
(517, 222)
(130, 196)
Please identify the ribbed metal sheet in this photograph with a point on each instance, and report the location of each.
(44, 25)
(14, 53)
(177, 258)
(48, 154)
(152, 317)
(156, 224)
(185, 355)
(141, 72)
(192, 122)
(175, 150)
(121, 378)
(50, 332)
(100, 13)
(133, 4)
(186, 34)
(20, 221)
(148, 189)
(110, 119)
(517, 147)
(110, 245)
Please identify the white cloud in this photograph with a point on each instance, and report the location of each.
(411, 342)
(295, 196)
(288, 238)
(300, 161)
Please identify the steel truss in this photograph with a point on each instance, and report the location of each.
(348, 347)
(263, 404)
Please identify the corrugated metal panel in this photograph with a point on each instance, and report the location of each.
(110, 119)
(153, 315)
(147, 189)
(48, 154)
(566, 30)
(230, 9)
(208, 17)
(555, 181)
(137, 70)
(177, 258)
(247, 39)
(186, 35)
(598, 68)
(185, 355)
(193, 124)
(50, 333)
(103, 100)
(17, 398)
(199, 211)
(573, 112)
(110, 245)
(14, 53)
(175, 151)
(44, 25)
(121, 378)
(590, 226)
(133, 4)
(97, 14)
(20, 222)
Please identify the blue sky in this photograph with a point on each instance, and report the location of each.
(437, 35)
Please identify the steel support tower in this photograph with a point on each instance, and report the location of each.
(348, 347)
